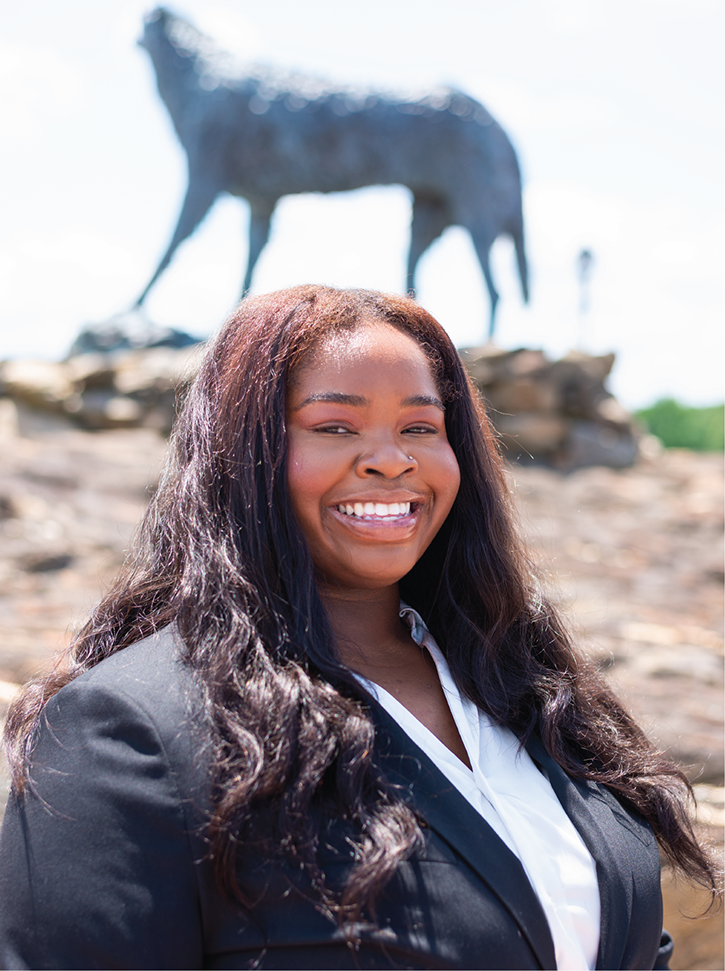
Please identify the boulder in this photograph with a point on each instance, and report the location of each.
(117, 389)
(527, 394)
(556, 412)
(559, 413)
(40, 384)
(594, 443)
(531, 433)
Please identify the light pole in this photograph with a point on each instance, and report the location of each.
(585, 260)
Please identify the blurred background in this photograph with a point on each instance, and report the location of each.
(615, 110)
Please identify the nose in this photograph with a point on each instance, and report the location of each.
(387, 459)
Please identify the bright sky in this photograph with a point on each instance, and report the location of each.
(615, 108)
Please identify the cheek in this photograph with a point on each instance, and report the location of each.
(308, 478)
(448, 479)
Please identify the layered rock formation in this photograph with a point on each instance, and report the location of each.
(558, 413)
(117, 389)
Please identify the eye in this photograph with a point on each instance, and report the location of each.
(333, 430)
(420, 429)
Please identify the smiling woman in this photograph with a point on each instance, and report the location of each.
(324, 718)
(372, 475)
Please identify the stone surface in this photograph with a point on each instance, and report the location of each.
(116, 389)
(529, 434)
(635, 559)
(40, 384)
(556, 412)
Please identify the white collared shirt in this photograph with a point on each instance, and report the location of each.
(519, 804)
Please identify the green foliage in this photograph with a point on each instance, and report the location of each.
(679, 426)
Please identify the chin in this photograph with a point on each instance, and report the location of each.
(372, 580)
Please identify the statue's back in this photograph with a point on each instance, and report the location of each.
(261, 136)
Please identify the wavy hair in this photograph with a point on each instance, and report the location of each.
(220, 554)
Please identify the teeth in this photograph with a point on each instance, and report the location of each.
(377, 509)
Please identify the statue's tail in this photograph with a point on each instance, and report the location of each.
(518, 238)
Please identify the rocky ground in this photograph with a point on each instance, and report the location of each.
(634, 557)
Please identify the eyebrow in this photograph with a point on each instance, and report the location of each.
(359, 401)
(423, 399)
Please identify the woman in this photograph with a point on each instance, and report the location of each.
(258, 757)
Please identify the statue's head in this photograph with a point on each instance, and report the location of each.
(163, 28)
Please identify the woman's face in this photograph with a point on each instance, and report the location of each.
(371, 474)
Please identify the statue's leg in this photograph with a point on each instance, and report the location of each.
(430, 218)
(200, 197)
(482, 243)
(518, 238)
(259, 223)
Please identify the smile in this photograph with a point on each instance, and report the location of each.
(375, 511)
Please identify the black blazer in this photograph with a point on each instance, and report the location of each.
(103, 862)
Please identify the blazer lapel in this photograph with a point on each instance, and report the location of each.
(453, 818)
(588, 810)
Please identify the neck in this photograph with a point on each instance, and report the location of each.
(367, 626)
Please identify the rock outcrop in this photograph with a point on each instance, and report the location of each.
(559, 413)
(118, 389)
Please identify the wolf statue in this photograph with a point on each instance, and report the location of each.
(262, 136)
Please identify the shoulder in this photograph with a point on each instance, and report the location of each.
(143, 699)
(105, 839)
(150, 675)
(584, 798)
(151, 667)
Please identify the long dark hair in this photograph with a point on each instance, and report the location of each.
(220, 554)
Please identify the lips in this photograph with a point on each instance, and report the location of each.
(375, 511)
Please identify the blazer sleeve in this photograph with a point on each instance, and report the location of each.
(96, 860)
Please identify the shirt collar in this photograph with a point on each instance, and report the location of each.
(412, 618)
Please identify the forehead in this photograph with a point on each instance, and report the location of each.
(363, 351)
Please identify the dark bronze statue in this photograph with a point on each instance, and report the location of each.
(261, 137)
